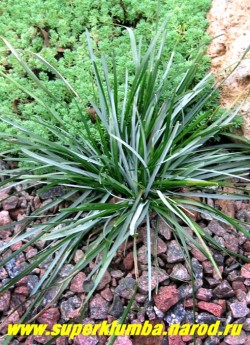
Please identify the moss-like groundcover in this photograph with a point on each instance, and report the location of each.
(56, 30)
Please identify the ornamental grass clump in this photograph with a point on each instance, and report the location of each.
(149, 148)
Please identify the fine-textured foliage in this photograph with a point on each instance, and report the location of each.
(148, 150)
(56, 30)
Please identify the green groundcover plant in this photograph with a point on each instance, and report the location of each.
(56, 30)
(149, 148)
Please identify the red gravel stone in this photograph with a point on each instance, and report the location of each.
(223, 290)
(223, 304)
(113, 282)
(175, 340)
(174, 253)
(77, 282)
(167, 297)
(42, 339)
(117, 274)
(3, 273)
(31, 253)
(212, 308)
(128, 261)
(187, 338)
(106, 279)
(29, 340)
(3, 195)
(62, 341)
(236, 285)
(216, 228)
(227, 207)
(13, 318)
(79, 255)
(150, 339)
(107, 294)
(142, 255)
(140, 298)
(198, 254)
(22, 281)
(245, 271)
(188, 303)
(4, 220)
(16, 246)
(22, 290)
(231, 242)
(208, 267)
(164, 229)
(50, 317)
(37, 202)
(158, 276)
(10, 203)
(216, 275)
(123, 340)
(85, 340)
(204, 294)
(155, 241)
(4, 301)
(99, 307)
(246, 246)
(239, 340)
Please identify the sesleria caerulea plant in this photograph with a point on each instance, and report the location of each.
(150, 147)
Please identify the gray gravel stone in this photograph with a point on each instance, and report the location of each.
(32, 281)
(99, 307)
(239, 340)
(68, 306)
(224, 290)
(3, 166)
(142, 255)
(164, 229)
(212, 341)
(158, 276)
(206, 318)
(176, 314)
(239, 309)
(158, 246)
(174, 253)
(204, 294)
(243, 215)
(13, 268)
(246, 325)
(215, 227)
(189, 317)
(180, 272)
(117, 274)
(116, 308)
(10, 203)
(231, 242)
(126, 287)
(65, 271)
(197, 269)
(50, 295)
(212, 282)
(185, 291)
(106, 279)
(53, 192)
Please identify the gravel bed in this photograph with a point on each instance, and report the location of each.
(226, 299)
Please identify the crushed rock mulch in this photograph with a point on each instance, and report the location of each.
(226, 299)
